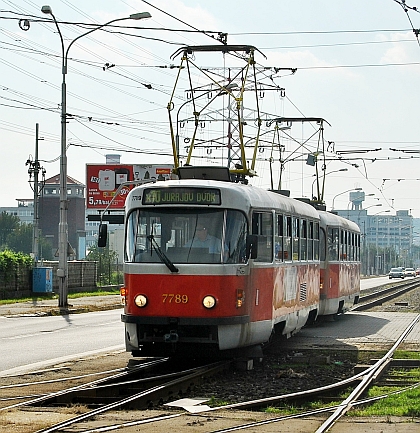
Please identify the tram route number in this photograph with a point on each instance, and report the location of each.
(174, 298)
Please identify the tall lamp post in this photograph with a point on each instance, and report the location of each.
(316, 178)
(364, 229)
(62, 271)
(376, 243)
(353, 189)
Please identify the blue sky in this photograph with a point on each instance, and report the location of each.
(358, 67)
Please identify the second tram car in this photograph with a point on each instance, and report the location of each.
(340, 264)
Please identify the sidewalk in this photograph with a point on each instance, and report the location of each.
(49, 307)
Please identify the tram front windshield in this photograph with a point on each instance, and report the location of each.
(186, 236)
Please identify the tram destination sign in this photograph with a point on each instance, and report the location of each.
(197, 196)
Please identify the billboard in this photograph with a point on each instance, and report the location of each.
(103, 180)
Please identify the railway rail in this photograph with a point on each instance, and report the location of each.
(142, 399)
(385, 294)
(120, 375)
(364, 381)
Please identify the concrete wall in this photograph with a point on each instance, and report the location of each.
(82, 277)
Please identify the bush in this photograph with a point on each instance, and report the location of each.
(14, 272)
(11, 261)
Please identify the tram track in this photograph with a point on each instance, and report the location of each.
(361, 381)
(365, 379)
(157, 389)
(120, 375)
(385, 294)
(217, 417)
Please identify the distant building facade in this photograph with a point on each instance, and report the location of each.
(49, 214)
(24, 210)
(383, 230)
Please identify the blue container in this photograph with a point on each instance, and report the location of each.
(42, 280)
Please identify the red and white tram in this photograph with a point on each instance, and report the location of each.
(217, 267)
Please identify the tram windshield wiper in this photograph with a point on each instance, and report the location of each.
(163, 257)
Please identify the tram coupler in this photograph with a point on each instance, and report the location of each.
(172, 337)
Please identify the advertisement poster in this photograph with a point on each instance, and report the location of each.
(102, 181)
(158, 172)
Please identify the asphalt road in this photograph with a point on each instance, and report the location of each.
(30, 343)
(368, 283)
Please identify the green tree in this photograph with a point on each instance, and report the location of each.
(20, 239)
(107, 260)
(45, 249)
(8, 223)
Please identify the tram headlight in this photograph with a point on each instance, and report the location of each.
(209, 301)
(140, 301)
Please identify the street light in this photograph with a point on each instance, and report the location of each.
(316, 178)
(353, 189)
(361, 196)
(376, 243)
(367, 271)
(62, 271)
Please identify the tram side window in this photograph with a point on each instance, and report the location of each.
(262, 226)
(295, 238)
(310, 240)
(279, 252)
(343, 245)
(287, 229)
(358, 247)
(333, 243)
(351, 243)
(317, 241)
(303, 239)
(322, 243)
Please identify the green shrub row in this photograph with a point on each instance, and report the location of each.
(11, 261)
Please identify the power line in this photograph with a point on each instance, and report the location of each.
(321, 32)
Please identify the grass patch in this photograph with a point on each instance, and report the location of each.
(215, 402)
(405, 354)
(406, 403)
(71, 295)
(292, 409)
(96, 293)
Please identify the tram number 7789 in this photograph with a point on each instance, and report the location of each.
(175, 298)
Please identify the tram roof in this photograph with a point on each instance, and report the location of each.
(240, 196)
(331, 219)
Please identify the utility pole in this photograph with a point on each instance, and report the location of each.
(33, 171)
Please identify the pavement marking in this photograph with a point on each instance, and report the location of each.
(42, 364)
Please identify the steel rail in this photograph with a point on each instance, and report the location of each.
(288, 417)
(43, 398)
(94, 394)
(144, 395)
(63, 379)
(368, 378)
(390, 293)
(370, 372)
(294, 395)
(132, 423)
